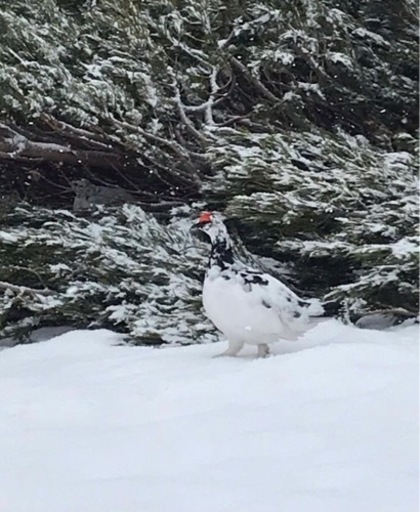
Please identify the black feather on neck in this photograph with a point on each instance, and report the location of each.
(221, 254)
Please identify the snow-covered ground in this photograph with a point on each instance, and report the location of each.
(328, 424)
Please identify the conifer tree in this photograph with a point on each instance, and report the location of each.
(298, 119)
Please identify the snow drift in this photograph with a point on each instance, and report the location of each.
(327, 424)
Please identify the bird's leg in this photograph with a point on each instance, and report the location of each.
(263, 350)
(232, 350)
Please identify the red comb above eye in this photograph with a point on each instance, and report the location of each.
(205, 217)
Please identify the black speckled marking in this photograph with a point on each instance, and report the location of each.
(254, 278)
(302, 304)
(221, 255)
(247, 286)
(225, 276)
(296, 314)
(288, 298)
(266, 304)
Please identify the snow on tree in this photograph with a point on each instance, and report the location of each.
(298, 120)
(121, 268)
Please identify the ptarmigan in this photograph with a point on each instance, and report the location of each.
(247, 305)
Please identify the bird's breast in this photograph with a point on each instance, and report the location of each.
(239, 313)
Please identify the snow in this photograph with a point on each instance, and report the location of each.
(362, 32)
(327, 424)
(7, 237)
(340, 58)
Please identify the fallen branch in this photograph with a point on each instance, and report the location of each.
(13, 145)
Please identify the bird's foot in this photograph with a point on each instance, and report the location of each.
(226, 353)
(263, 350)
(232, 350)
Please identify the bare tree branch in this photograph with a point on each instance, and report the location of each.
(255, 82)
(184, 118)
(172, 145)
(75, 133)
(22, 289)
(14, 145)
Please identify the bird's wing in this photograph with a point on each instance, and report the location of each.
(292, 311)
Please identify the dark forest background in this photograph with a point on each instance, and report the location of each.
(121, 119)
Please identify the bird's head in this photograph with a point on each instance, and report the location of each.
(211, 224)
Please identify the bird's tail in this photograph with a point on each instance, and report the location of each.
(329, 309)
(333, 308)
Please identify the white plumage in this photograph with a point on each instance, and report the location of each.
(247, 305)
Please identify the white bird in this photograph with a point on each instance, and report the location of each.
(249, 306)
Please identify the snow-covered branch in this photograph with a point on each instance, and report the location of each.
(22, 289)
(14, 145)
(93, 139)
(189, 125)
(254, 81)
(170, 144)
